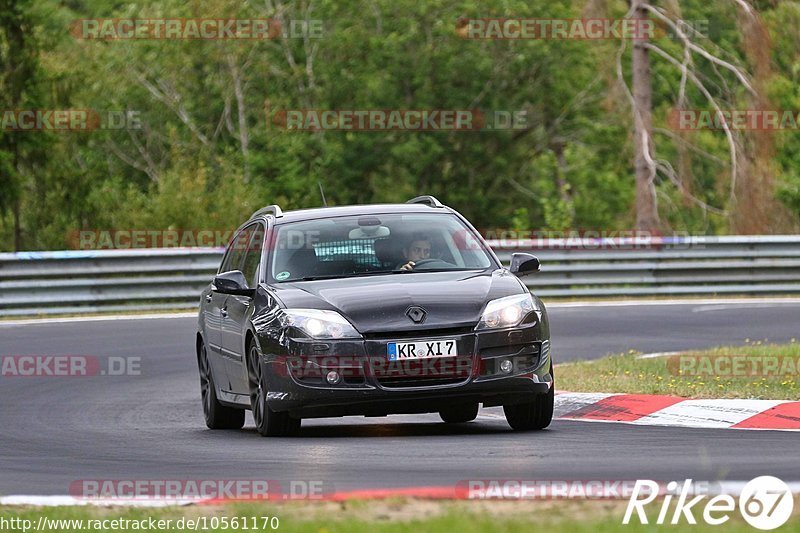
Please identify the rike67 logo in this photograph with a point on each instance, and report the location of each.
(765, 503)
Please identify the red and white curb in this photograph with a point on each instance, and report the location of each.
(654, 410)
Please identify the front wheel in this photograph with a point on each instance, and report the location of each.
(268, 422)
(533, 415)
(217, 415)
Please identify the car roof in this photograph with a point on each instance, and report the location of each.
(353, 210)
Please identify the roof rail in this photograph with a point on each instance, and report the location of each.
(427, 199)
(273, 210)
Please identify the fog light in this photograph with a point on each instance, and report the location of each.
(506, 366)
(333, 377)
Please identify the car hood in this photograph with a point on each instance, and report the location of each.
(379, 303)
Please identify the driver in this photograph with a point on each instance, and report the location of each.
(418, 248)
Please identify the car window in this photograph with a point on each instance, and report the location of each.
(374, 244)
(236, 250)
(253, 257)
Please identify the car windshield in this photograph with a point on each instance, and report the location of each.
(374, 244)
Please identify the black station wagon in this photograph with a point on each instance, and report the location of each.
(370, 310)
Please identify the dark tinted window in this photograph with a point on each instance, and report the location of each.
(253, 257)
(373, 244)
(236, 250)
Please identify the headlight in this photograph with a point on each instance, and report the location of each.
(507, 312)
(319, 324)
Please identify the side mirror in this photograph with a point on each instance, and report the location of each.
(233, 282)
(523, 264)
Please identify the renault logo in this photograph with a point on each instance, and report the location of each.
(416, 314)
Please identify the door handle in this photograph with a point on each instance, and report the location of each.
(224, 312)
(208, 298)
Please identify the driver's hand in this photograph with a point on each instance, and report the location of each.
(408, 266)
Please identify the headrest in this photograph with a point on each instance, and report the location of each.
(388, 251)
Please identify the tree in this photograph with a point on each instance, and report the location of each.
(19, 62)
(751, 200)
(644, 167)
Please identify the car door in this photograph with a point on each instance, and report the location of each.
(239, 310)
(213, 303)
(217, 314)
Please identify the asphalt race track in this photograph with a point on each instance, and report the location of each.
(56, 430)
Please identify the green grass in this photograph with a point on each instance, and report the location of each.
(698, 374)
(396, 515)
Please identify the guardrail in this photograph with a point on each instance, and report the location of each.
(40, 283)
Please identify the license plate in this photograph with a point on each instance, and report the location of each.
(401, 351)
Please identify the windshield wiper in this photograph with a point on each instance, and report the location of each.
(352, 275)
(424, 270)
(378, 273)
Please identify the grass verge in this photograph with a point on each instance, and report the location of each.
(757, 370)
(394, 515)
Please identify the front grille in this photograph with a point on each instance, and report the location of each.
(401, 382)
(425, 372)
(422, 373)
(426, 333)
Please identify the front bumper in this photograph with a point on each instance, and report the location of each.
(370, 385)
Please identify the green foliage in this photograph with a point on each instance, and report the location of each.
(520, 220)
(208, 153)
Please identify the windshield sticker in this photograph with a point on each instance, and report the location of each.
(280, 276)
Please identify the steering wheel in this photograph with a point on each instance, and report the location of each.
(429, 262)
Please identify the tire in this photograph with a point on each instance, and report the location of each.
(459, 414)
(217, 416)
(533, 415)
(268, 422)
